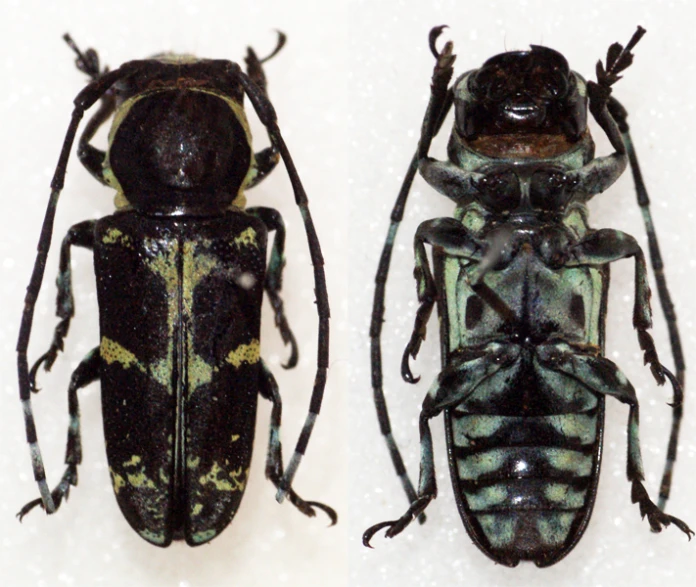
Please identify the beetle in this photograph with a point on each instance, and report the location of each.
(181, 270)
(521, 280)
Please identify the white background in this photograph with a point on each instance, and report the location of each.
(350, 89)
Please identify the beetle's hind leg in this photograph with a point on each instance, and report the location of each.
(274, 458)
(619, 114)
(454, 385)
(80, 235)
(85, 373)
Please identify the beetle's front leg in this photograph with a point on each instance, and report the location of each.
(274, 459)
(440, 96)
(268, 158)
(85, 373)
(465, 371)
(274, 277)
(79, 235)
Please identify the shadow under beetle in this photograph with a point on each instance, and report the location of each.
(181, 271)
(521, 281)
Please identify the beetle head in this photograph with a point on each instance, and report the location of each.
(530, 97)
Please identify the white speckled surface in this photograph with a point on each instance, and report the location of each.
(350, 90)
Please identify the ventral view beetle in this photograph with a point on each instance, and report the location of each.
(181, 268)
(520, 281)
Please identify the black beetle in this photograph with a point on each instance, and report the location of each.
(520, 281)
(181, 271)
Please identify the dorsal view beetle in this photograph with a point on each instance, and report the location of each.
(181, 271)
(520, 281)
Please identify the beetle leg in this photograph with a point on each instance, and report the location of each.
(602, 376)
(619, 114)
(438, 108)
(266, 161)
(452, 238)
(266, 113)
(460, 378)
(274, 276)
(268, 158)
(268, 389)
(91, 157)
(79, 235)
(605, 246)
(85, 373)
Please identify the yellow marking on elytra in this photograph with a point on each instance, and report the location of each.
(234, 437)
(245, 353)
(246, 238)
(140, 479)
(113, 352)
(197, 509)
(160, 371)
(116, 480)
(135, 459)
(193, 462)
(200, 373)
(236, 483)
(114, 235)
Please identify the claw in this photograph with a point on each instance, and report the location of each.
(329, 511)
(372, 530)
(435, 32)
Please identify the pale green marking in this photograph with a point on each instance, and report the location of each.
(140, 479)
(564, 495)
(164, 264)
(470, 428)
(160, 371)
(150, 536)
(192, 462)
(579, 426)
(114, 235)
(246, 238)
(487, 497)
(113, 352)
(245, 353)
(199, 372)
(472, 467)
(499, 529)
(554, 527)
(569, 460)
(163, 476)
(234, 437)
(473, 219)
(135, 459)
(116, 480)
(196, 509)
(196, 267)
(236, 481)
(204, 536)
